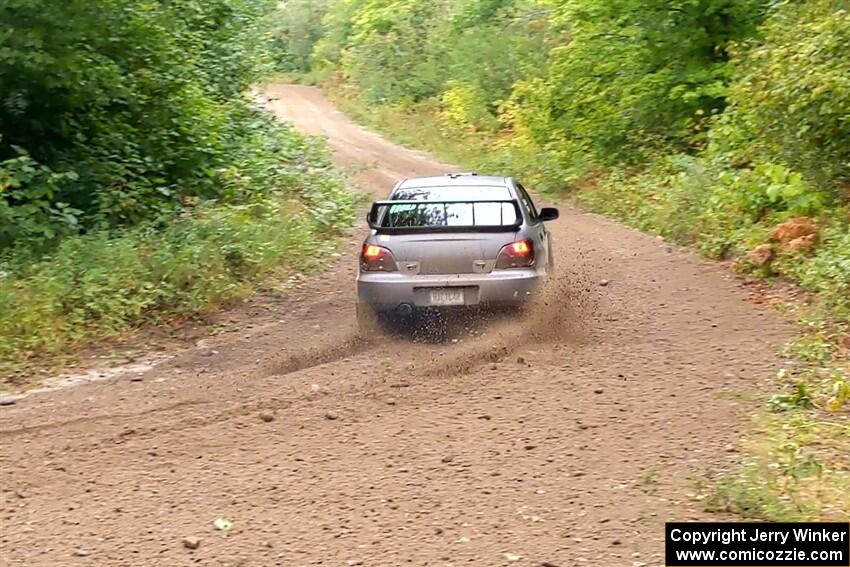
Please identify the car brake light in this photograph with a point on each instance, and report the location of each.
(372, 251)
(521, 248)
(377, 259)
(519, 254)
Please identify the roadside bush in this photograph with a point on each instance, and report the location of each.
(464, 108)
(28, 210)
(827, 271)
(99, 284)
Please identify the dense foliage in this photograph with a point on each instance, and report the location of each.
(604, 77)
(137, 177)
(113, 112)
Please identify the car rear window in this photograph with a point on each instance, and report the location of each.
(460, 214)
(455, 193)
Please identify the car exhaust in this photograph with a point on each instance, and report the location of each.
(404, 310)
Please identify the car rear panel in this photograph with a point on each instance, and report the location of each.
(446, 253)
(385, 291)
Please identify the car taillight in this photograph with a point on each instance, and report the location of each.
(519, 254)
(375, 258)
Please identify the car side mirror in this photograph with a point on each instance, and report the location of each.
(548, 214)
(371, 216)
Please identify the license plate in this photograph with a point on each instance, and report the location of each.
(447, 296)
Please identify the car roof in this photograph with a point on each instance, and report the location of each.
(455, 180)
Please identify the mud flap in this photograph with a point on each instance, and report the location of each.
(368, 320)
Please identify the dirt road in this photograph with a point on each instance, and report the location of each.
(566, 438)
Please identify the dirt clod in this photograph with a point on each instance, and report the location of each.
(802, 244)
(266, 416)
(761, 255)
(191, 542)
(792, 229)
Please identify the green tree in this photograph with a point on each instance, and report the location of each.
(128, 102)
(790, 102)
(299, 29)
(633, 75)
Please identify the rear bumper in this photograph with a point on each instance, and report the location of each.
(387, 291)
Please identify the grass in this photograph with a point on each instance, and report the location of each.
(98, 286)
(794, 464)
(795, 469)
(648, 479)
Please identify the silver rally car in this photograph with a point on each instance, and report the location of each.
(451, 241)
